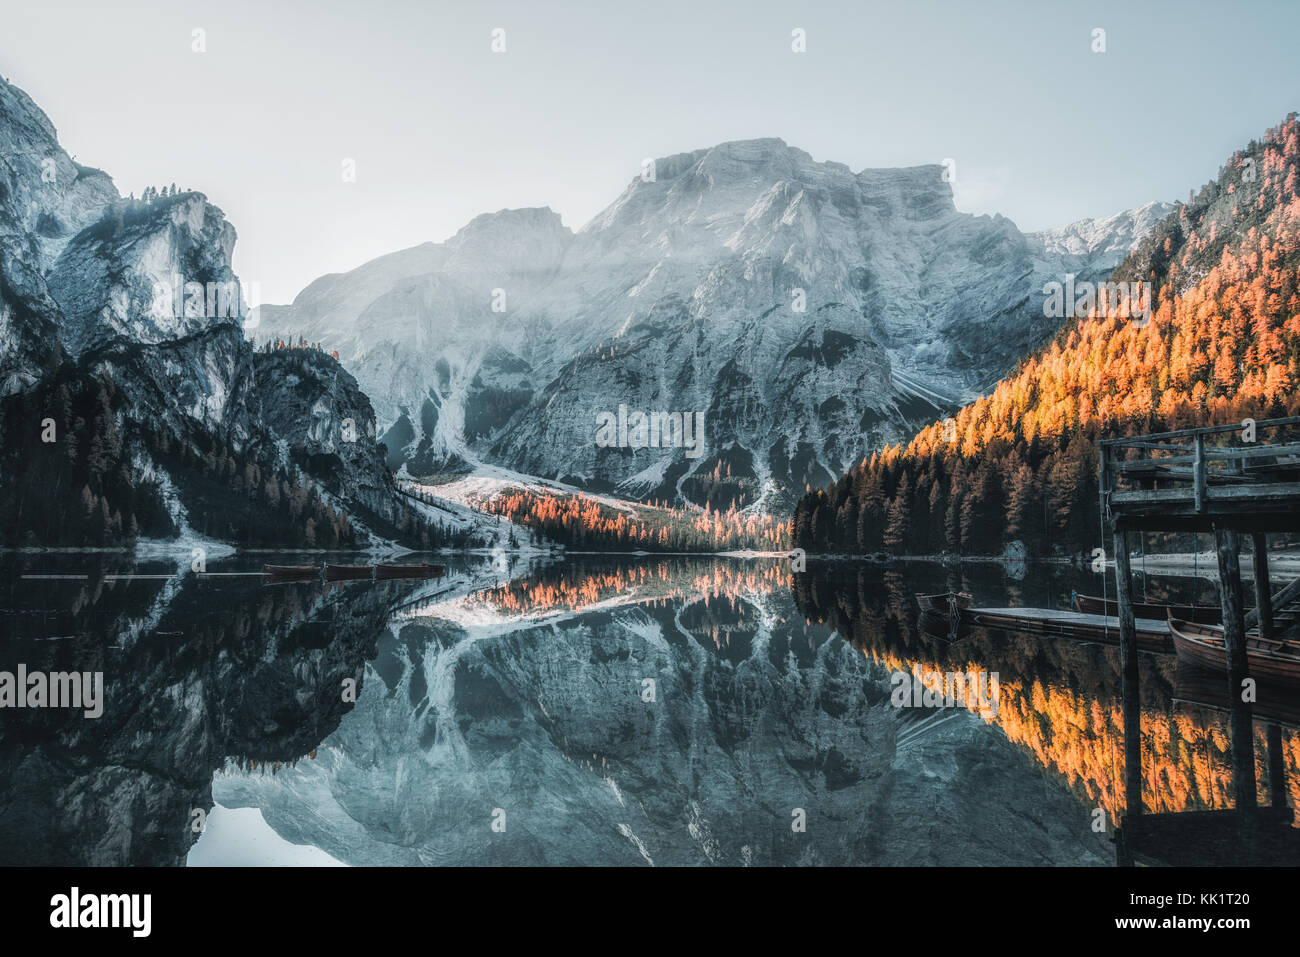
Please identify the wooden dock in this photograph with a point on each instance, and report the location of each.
(1183, 481)
(1152, 636)
(1229, 480)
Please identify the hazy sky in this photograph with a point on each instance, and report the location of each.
(1042, 129)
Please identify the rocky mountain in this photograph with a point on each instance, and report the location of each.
(1098, 241)
(192, 367)
(45, 199)
(308, 395)
(130, 391)
(810, 312)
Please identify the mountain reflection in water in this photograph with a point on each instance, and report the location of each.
(598, 710)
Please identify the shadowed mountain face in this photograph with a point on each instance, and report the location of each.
(812, 313)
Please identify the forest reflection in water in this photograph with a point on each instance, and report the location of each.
(525, 692)
(1061, 699)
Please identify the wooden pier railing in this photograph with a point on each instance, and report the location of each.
(1245, 475)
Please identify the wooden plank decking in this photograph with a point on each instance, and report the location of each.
(1227, 480)
(1152, 635)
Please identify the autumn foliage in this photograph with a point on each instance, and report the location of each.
(581, 521)
(660, 584)
(1222, 344)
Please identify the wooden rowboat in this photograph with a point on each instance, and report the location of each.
(1092, 605)
(293, 572)
(943, 602)
(1271, 658)
(410, 571)
(336, 573)
(941, 614)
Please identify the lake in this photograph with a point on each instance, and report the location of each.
(620, 710)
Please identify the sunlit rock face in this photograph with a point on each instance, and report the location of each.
(184, 365)
(45, 199)
(812, 312)
(81, 266)
(766, 742)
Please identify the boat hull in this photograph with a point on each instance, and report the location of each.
(1203, 645)
(939, 624)
(1201, 614)
(335, 573)
(292, 572)
(1275, 701)
(943, 601)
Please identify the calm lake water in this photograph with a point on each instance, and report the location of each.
(587, 710)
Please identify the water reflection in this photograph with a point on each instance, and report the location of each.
(665, 710)
(198, 673)
(1062, 701)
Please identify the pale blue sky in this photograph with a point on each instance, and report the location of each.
(1043, 130)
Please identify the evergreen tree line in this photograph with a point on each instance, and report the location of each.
(1221, 345)
(1041, 493)
(66, 480)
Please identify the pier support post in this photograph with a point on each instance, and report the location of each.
(1227, 543)
(1276, 766)
(1130, 692)
(1263, 591)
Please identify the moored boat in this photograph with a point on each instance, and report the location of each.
(1271, 658)
(940, 624)
(1093, 605)
(941, 614)
(336, 573)
(943, 602)
(410, 571)
(294, 572)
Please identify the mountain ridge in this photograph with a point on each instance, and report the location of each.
(816, 311)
